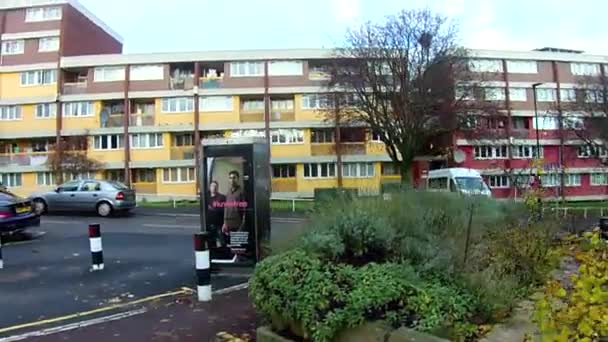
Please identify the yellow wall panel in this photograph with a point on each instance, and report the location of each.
(29, 123)
(222, 117)
(172, 118)
(10, 87)
(306, 114)
(87, 122)
(107, 156)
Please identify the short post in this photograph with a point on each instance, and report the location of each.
(203, 267)
(604, 227)
(1, 260)
(293, 205)
(96, 247)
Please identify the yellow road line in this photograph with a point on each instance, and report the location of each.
(183, 290)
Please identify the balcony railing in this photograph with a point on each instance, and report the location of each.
(211, 82)
(182, 153)
(24, 159)
(138, 120)
(75, 87)
(353, 148)
(258, 116)
(323, 149)
(180, 83)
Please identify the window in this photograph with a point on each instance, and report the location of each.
(71, 185)
(319, 170)
(252, 105)
(314, 101)
(520, 122)
(498, 181)
(48, 44)
(594, 96)
(587, 151)
(178, 175)
(43, 14)
(517, 94)
(572, 179)
(177, 105)
(108, 142)
(186, 139)
(320, 136)
(46, 110)
(45, 178)
(117, 175)
(147, 140)
(11, 179)
(522, 67)
(72, 176)
(574, 122)
(496, 123)
(494, 94)
(216, 103)
(109, 74)
(438, 183)
(490, 152)
(147, 72)
(283, 171)
(375, 137)
(599, 179)
(287, 136)
(240, 69)
(10, 113)
(567, 95)
(546, 123)
(549, 180)
(585, 69)
(545, 94)
(389, 169)
(77, 109)
(285, 68)
(525, 151)
(463, 93)
(248, 133)
(38, 77)
(144, 176)
(358, 170)
(486, 65)
(281, 105)
(13, 47)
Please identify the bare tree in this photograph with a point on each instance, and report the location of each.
(72, 158)
(409, 81)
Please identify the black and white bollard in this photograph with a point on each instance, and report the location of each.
(203, 267)
(1, 260)
(96, 247)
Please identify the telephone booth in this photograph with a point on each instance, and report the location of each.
(235, 199)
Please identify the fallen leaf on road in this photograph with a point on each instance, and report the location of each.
(165, 320)
(114, 300)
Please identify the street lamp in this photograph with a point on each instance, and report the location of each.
(536, 119)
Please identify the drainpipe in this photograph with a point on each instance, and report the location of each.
(197, 132)
(267, 121)
(126, 122)
(561, 131)
(509, 125)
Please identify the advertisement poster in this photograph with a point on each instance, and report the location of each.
(229, 210)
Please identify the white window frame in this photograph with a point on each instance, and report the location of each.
(45, 178)
(572, 179)
(137, 175)
(98, 141)
(491, 152)
(80, 109)
(522, 67)
(183, 175)
(252, 105)
(574, 122)
(283, 105)
(48, 44)
(547, 123)
(141, 141)
(109, 74)
(187, 139)
(46, 111)
(319, 167)
(587, 151)
(147, 72)
(216, 104)
(486, 65)
(11, 179)
(248, 133)
(329, 136)
(594, 177)
(38, 77)
(358, 170)
(585, 69)
(284, 169)
(554, 177)
(285, 68)
(10, 113)
(525, 151)
(313, 101)
(567, 95)
(286, 136)
(546, 94)
(171, 105)
(518, 94)
(499, 182)
(494, 94)
(594, 96)
(246, 69)
(71, 176)
(13, 47)
(35, 14)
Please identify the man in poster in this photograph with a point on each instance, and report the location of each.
(215, 214)
(234, 214)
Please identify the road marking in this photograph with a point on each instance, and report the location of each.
(61, 222)
(151, 225)
(73, 326)
(183, 290)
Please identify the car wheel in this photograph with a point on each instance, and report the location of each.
(104, 209)
(39, 206)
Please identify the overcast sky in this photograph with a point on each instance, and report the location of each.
(193, 25)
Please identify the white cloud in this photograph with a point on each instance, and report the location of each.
(346, 11)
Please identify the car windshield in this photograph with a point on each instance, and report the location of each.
(471, 183)
(118, 185)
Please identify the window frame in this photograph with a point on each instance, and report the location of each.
(498, 181)
(49, 108)
(226, 98)
(47, 177)
(594, 183)
(244, 68)
(20, 44)
(521, 90)
(15, 179)
(148, 139)
(102, 73)
(482, 65)
(291, 136)
(98, 141)
(67, 111)
(11, 113)
(38, 78)
(493, 154)
(176, 105)
(568, 180)
(142, 72)
(309, 167)
(285, 171)
(52, 48)
(38, 14)
(512, 63)
(361, 170)
(167, 172)
(275, 68)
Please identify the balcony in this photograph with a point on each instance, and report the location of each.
(146, 188)
(24, 159)
(72, 88)
(182, 153)
(322, 149)
(348, 148)
(353, 148)
(252, 115)
(139, 120)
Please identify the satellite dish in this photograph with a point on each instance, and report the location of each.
(459, 156)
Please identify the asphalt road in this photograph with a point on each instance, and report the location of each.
(49, 276)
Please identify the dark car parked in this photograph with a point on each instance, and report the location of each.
(16, 213)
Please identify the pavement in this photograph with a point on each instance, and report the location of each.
(46, 284)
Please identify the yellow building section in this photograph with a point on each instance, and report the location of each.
(105, 156)
(29, 122)
(153, 153)
(90, 121)
(292, 150)
(172, 119)
(176, 189)
(215, 117)
(10, 87)
(307, 114)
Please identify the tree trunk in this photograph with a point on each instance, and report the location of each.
(405, 171)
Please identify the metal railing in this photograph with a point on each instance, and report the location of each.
(24, 159)
(585, 212)
(291, 204)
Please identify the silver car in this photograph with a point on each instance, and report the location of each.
(102, 196)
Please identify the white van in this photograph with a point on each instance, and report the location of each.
(461, 180)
